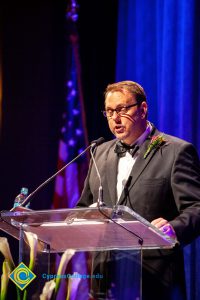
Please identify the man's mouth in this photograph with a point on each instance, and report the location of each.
(119, 129)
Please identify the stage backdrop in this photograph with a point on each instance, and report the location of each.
(159, 46)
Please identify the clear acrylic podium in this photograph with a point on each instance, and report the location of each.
(114, 238)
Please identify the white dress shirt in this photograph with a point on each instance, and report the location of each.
(126, 162)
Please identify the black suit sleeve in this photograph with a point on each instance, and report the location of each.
(86, 198)
(185, 182)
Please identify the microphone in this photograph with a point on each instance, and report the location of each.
(100, 202)
(93, 144)
(97, 142)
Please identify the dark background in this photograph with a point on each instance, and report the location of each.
(33, 41)
(33, 59)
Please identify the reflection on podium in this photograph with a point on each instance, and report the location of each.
(113, 238)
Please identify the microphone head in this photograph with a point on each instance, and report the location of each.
(97, 142)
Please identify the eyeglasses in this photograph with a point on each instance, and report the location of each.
(121, 110)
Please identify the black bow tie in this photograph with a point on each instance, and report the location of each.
(121, 149)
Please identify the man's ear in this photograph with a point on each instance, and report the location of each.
(143, 109)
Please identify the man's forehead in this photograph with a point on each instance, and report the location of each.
(119, 96)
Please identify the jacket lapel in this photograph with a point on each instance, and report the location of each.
(141, 162)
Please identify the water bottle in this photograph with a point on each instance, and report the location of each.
(21, 197)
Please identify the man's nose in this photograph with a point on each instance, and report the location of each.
(115, 116)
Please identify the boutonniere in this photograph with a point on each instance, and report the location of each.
(156, 142)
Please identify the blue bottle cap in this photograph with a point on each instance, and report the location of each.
(24, 191)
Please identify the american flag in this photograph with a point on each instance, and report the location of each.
(73, 140)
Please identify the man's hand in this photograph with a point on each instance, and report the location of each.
(165, 227)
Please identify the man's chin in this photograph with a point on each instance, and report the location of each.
(120, 136)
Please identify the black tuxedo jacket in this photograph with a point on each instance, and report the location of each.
(164, 184)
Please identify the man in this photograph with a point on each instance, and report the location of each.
(162, 176)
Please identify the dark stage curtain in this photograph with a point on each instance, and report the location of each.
(159, 46)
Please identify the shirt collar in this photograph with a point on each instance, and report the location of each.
(144, 135)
